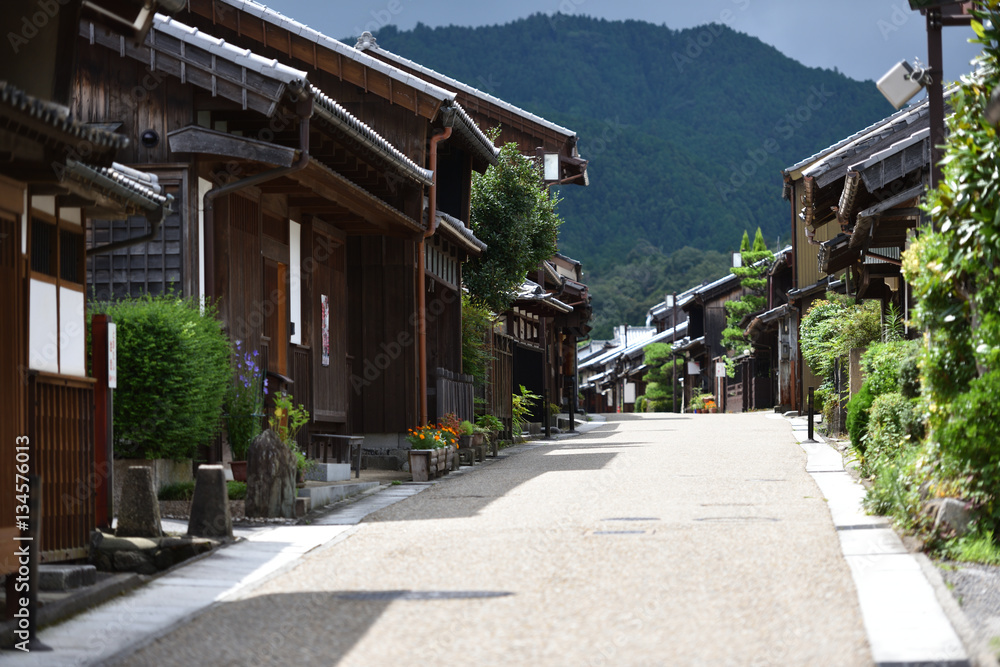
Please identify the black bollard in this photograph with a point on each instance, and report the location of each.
(811, 392)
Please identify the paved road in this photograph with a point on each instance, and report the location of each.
(653, 540)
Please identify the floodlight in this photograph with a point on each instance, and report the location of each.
(901, 83)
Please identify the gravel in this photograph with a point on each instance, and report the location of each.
(976, 588)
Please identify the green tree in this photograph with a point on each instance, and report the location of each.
(514, 214)
(752, 272)
(829, 330)
(477, 322)
(659, 376)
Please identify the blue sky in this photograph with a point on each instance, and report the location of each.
(862, 38)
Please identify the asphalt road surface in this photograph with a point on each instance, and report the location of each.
(653, 540)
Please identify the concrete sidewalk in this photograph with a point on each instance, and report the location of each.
(903, 617)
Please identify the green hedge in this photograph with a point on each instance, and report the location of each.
(173, 370)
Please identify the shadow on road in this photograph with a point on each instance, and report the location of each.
(651, 417)
(467, 495)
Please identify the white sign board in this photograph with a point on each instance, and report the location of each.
(630, 392)
(112, 356)
(720, 369)
(694, 368)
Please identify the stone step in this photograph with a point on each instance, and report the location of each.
(329, 472)
(66, 577)
(321, 496)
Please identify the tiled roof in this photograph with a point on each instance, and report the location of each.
(848, 141)
(458, 228)
(206, 52)
(848, 150)
(532, 291)
(276, 18)
(456, 117)
(122, 185)
(333, 113)
(57, 117)
(270, 67)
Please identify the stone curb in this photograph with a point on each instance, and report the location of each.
(92, 596)
(900, 604)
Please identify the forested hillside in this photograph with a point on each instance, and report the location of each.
(686, 133)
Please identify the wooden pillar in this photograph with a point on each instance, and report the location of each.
(101, 335)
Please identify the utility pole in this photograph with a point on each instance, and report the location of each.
(673, 361)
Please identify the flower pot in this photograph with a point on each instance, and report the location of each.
(420, 464)
(239, 469)
(442, 459)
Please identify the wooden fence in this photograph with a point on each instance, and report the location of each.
(453, 393)
(61, 429)
(500, 388)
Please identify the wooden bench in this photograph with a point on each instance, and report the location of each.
(340, 446)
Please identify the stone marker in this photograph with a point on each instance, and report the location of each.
(271, 468)
(210, 506)
(139, 511)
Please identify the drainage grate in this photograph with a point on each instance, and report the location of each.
(382, 596)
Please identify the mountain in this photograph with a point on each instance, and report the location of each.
(686, 132)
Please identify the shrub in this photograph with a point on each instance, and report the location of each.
(173, 370)
(968, 441)
(887, 435)
(177, 491)
(883, 364)
(185, 491)
(640, 404)
(895, 490)
(857, 416)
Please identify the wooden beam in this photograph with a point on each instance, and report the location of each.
(195, 139)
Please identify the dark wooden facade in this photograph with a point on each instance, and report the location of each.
(47, 197)
(315, 267)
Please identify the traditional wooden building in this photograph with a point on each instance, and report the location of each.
(853, 207)
(538, 355)
(307, 176)
(56, 174)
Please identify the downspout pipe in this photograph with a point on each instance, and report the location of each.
(422, 278)
(304, 110)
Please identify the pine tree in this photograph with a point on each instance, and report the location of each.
(756, 260)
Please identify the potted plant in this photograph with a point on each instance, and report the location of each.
(244, 407)
(492, 427)
(424, 443)
(704, 402)
(451, 433)
(285, 421)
